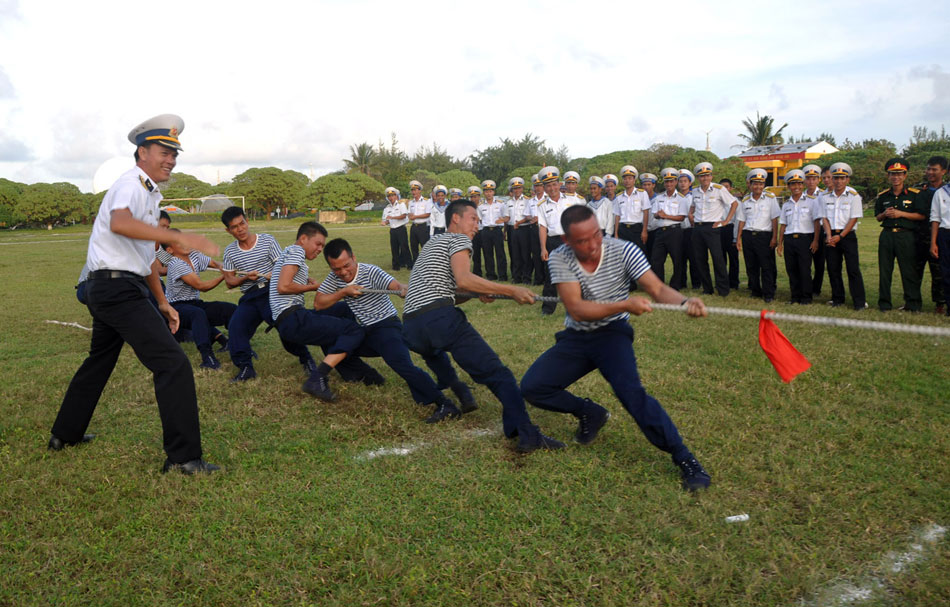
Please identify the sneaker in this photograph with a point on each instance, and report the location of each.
(208, 361)
(534, 441)
(309, 366)
(191, 467)
(693, 475)
(446, 410)
(466, 399)
(319, 386)
(590, 421)
(244, 374)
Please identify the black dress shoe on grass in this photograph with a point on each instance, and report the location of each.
(442, 412)
(194, 466)
(58, 444)
(528, 443)
(590, 421)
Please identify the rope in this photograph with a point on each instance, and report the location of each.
(851, 323)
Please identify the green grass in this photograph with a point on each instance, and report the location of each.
(836, 469)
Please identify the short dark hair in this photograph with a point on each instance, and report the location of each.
(309, 228)
(455, 208)
(168, 244)
(335, 248)
(826, 170)
(141, 145)
(940, 161)
(725, 180)
(164, 215)
(230, 214)
(575, 214)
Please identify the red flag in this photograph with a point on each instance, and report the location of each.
(788, 361)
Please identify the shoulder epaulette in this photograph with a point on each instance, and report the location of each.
(850, 190)
(769, 194)
(914, 190)
(717, 185)
(746, 197)
(146, 183)
(884, 191)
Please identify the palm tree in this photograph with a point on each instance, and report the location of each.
(760, 132)
(362, 159)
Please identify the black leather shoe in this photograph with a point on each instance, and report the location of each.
(693, 474)
(192, 467)
(466, 399)
(590, 421)
(372, 377)
(444, 411)
(58, 444)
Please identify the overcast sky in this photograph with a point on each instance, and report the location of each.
(294, 84)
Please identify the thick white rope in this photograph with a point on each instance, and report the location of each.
(852, 323)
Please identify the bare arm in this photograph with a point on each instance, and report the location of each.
(195, 282)
(322, 301)
(466, 281)
(121, 222)
(287, 286)
(155, 286)
(395, 285)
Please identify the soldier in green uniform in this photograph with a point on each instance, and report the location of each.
(897, 210)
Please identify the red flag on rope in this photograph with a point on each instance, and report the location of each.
(788, 361)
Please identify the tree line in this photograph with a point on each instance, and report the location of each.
(370, 169)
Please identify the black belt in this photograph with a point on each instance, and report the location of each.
(102, 274)
(435, 305)
(283, 315)
(631, 224)
(676, 227)
(699, 224)
(758, 231)
(491, 227)
(896, 230)
(801, 235)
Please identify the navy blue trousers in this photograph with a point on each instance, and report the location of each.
(351, 368)
(609, 350)
(444, 330)
(252, 309)
(385, 339)
(309, 327)
(200, 316)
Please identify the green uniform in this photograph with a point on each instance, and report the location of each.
(898, 240)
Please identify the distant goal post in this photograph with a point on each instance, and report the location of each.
(202, 201)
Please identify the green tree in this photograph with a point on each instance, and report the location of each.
(923, 145)
(10, 192)
(525, 173)
(761, 131)
(428, 179)
(49, 203)
(268, 188)
(867, 160)
(362, 160)
(457, 178)
(435, 160)
(342, 191)
(393, 164)
(183, 185)
(497, 161)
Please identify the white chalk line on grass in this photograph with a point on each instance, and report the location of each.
(874, 586)
(413, 447)
(68, 324)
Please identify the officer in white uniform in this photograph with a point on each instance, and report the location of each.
(537, 264)
(419, 210)
(437, 210)
(603, 209)
(122, 271)
(474, 194)
(571, 181)
(684, 186)
(549, 226)
(812, 180)
(758, 233)
(396, 216)
(799, 233)
(712, 207)
(670, 208)
(648, 185)
(840, 208)
(494, 215)
(632, 209)
(454, 194)
(519, 222)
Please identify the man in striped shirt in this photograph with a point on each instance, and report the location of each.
(183, 291)
(380, 321)
(298, 325)
(433, 326)
(248, 262)
(592, 274)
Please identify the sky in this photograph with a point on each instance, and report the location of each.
(295, 84)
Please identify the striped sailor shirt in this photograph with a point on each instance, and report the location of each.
(291, 256)
(369, 308)
(259, 258)
(432, 278)
(620, 261)
(175, 288)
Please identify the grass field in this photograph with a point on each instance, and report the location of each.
(840, 471)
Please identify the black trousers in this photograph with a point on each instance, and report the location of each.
(202, 318)
(706, 242)
(513, 253)
(493, 246)
(818, 258)
(668, 242)
(923, 260)
(521, 237)
(759, 263)
(477, 242)
(731, 254)
(399, 247)
(845, 253)
(537, 264)
(418, 237)
(798, 260)
(631, 233)
(549, 289)
(121, 313)
(689, 261)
